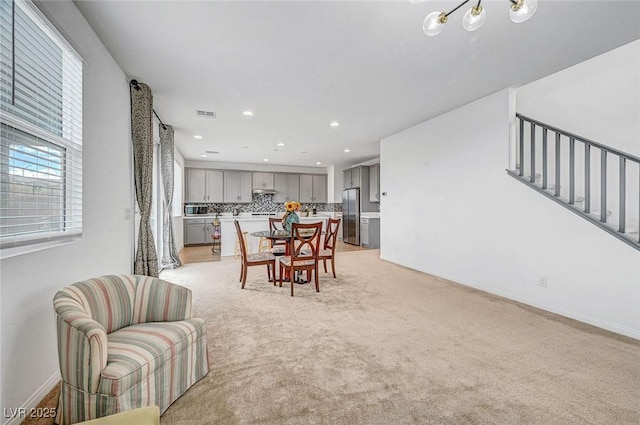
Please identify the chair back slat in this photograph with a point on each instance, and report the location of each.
(305, 241)
(243, 247)
(276, 224)
(332, 233)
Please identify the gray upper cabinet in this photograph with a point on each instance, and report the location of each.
(320, 188)
(287, 187)
(352, 177)
(203, 185)
(237, 186)
(374, 183)
(263, 181)
(313, 188)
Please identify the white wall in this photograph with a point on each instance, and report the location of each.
(452, 211)
(29, 352)
(592, 99)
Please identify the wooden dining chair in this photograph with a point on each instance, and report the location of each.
(257, 259)
(278, 247)
(304, 246)
(328, 251)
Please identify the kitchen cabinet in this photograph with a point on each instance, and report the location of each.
(204, 185)
(287, 187)
(370, 232)
(374, 183)
(263, 181)
(313, 188)
(197, 231)
(352, 177)
(237, 186)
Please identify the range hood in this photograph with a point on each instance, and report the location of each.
(261, 191)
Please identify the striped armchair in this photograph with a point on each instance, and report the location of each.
(125, 342)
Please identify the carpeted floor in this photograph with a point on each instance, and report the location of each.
(382, 344)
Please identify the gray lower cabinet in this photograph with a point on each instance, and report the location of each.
(370, 232)
(197, 231)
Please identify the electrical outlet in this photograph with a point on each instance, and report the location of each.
(543, 281)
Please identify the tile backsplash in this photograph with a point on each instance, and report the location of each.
(265, 203)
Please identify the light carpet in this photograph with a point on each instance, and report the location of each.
(382, 344)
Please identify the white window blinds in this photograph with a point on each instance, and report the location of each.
(41, 130)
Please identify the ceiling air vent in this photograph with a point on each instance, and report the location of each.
(213, 152)
(206, 114)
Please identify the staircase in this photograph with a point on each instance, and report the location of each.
(599, 183)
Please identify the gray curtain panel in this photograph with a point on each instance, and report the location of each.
(170, 258)
(146, 262)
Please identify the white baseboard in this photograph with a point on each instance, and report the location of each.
(597, 322)
(16, 417)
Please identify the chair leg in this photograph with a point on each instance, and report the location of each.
(317, 281)
(244, 275)
(333, 266)
(241, 269)
(324, 262)
(280, 273)
(292, 278)
(273, 272)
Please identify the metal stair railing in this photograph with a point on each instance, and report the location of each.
(597, 182)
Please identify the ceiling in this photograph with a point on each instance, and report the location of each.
(299, 65)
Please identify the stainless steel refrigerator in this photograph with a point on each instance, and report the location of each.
(351, 216)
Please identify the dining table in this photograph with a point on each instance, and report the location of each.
(280, 234)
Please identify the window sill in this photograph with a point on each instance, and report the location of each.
(28, 249)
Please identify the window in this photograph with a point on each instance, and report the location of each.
(41, 132)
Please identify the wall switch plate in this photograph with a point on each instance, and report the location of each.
(543, 281)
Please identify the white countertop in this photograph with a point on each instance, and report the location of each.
(370, 215)
(250, 217)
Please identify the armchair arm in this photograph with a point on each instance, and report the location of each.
(160, 301)
(82, 345)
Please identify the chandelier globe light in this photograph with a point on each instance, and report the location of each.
(474, 18)
(522, 10)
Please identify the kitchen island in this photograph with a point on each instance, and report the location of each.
(198, 229)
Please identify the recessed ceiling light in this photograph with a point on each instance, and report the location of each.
(280, 144)
(203, 156)
(334, 124)
(266, 160)
(197, 136)
(247, 113)
(318, 163)
(347, 150)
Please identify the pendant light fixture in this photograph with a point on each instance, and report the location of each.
(474, 18)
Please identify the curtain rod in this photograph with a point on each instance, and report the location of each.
(135, 84)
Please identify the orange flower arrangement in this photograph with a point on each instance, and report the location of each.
(290, 206)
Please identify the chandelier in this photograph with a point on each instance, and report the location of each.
(521, 11)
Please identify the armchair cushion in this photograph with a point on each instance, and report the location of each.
(136, 351)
